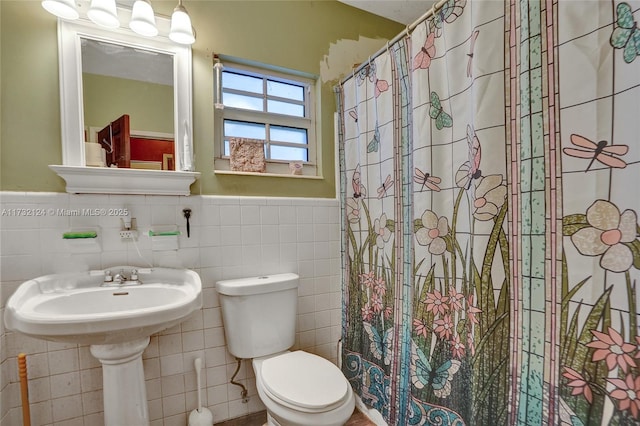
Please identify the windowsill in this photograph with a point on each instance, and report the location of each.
(274, 168)
(239, 173)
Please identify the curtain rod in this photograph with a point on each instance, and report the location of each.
(436, 5)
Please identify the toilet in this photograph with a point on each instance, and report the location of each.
(297, 388)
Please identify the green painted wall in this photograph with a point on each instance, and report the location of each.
(149, 105)
(299, 35)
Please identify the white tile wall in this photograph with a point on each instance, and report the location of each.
(231, 237)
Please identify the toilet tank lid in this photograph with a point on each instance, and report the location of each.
(257, 285)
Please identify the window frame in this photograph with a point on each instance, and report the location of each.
(311, 168)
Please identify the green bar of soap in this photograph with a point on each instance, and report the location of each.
(76, 235)
(163, 233)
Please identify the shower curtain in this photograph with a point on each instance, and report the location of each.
(489, 170)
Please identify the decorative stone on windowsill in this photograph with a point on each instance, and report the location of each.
(103, 180)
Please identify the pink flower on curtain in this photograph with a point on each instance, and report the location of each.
(578, 383)
(472, 310)
(613, 349)
(367, 312)
(367, 279)
(608, 231)
(627, 393)
(444, 327)
(420, 328)
(455, 299)
(432, 232)
(470, 344)
(489, 197)
(436, 303)
(388, 312)
(638, 342)
(457, 347)
(383, 234)
(376, 303)
(380, 286)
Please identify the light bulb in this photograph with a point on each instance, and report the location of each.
(181, 30)
(143, 21)
(104, 13)
(65, 9)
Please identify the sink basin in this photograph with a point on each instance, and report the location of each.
(115, 319)
(77, 308)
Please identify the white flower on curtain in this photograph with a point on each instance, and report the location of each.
(432, 232)
(606, 235)
(353, 210)
(490, 195)
(383, 234)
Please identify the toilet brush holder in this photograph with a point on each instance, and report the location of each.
(201, 416)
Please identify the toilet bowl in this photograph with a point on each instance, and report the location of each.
(302, 389)
(297, 388)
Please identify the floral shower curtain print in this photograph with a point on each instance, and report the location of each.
(489, 167)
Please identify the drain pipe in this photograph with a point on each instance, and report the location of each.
(243, 393)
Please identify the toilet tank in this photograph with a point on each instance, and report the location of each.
(259, 314)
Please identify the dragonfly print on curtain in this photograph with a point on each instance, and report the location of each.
(489, 165)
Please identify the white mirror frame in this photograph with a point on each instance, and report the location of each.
(82, 179)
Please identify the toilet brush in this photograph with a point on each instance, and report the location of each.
(200, 416)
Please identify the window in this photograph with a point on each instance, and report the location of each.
(272, 106)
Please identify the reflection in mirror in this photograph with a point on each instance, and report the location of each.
(128, 106)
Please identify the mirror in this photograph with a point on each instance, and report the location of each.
(127, 89)
(85, 112)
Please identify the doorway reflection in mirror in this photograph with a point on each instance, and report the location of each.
(128, 104)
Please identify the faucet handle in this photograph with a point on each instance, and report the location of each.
(134, 275)
(108, 277)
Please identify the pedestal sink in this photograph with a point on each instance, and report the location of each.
(115, 317)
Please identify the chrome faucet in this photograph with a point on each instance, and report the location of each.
(120, 279)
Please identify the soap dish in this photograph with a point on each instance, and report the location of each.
(164, 237)
(83, 240)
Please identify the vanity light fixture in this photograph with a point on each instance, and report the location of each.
(181, 29)
(65, 9)
(143, 20)
(104, 13)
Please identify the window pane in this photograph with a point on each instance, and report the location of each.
(241, 82)
(243, 129)
(288, 153)
(285, 90)
(285, 108)
(288, 134)
(239, 101)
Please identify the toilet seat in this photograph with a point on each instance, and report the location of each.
(304, 382)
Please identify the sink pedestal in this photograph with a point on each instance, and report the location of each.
(124, 390)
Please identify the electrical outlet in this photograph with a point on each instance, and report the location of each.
(128, 234)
